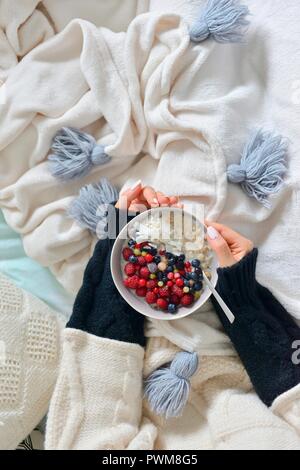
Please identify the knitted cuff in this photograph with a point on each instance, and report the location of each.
(99, 309)
(237, 284)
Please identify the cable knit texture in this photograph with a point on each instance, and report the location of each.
(29, 356)
(263, 333)
(99, 309)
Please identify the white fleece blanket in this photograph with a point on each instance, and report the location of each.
(183, 112)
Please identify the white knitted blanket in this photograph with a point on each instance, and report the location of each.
(30, 340)
(168, 111)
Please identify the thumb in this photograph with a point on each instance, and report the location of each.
(129, 195)
(220, 246)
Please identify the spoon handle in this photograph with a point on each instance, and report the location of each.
(219, 299)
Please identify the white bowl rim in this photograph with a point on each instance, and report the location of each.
(132, 300)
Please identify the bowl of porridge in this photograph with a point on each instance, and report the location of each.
(158, 261)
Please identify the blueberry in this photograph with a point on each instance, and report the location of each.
(157, 259)
(195, 263)
(169, 255)
(180, 265)
(198, 286)
(187, 283)
(160, 275)
(194, 276)
(133, 259)
(181, 257)
(172, 308)
(199, 272)
(131, 242)
(171, 261)
(153, 251)
(169, 269)
(164, 279)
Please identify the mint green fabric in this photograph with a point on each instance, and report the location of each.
(28, 274)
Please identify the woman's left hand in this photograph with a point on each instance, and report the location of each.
(139, 199)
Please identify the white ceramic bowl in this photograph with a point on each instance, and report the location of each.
(139, 304)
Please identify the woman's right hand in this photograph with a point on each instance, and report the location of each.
(229, 246)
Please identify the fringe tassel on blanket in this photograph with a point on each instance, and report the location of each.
(262, 167)
(89, 209)
(223, 20)
(74, 154)
(167, 389)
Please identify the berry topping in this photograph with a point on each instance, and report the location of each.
(174, 299)
(198, 286)
(187, 300)
(177, 290)
(163, 291)
(195, 263)
(151, 284)
(141, 261)
(151, 297)
(149, 258)
(129, 269)
(144, 272)
(172, 308)
(141, 291)
(132, 282)
(162, 304)
(127, 252)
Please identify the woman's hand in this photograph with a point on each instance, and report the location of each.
(229, 246)
(139, 199)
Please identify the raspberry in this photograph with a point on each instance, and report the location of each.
(129, 269)
(141, 261)
(169, 283)
(142, 282)
(141, 291)
(127, 252)
(162, 304)
(155, 290)
(151, 284)
(126, 282)
(144, 272)
(163, 291)
(149, 258)
(187, 300)
(132, 282)
(177, 290)
(174, 299)
(151, 298)
(179, 282)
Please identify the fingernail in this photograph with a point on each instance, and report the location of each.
(136, 185)
(212, 233)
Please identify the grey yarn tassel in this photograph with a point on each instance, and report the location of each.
(167, 389)
(86, 208)
(74, 154)
(223, 20)
(263, 166)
